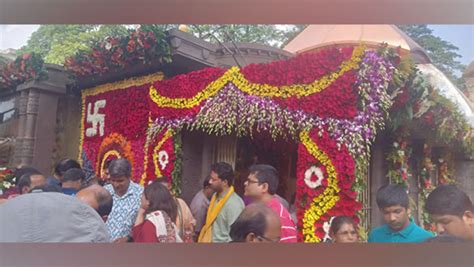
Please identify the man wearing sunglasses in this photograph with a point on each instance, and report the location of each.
(261, 186)
(256, 223)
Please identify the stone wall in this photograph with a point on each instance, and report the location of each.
(464, 175)
(197, 159)
(67, 133)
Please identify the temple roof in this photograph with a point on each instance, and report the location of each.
(314, 37)
(435, 77)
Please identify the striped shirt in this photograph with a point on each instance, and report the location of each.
(288, 228)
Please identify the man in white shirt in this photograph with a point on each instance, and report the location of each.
(200, 204)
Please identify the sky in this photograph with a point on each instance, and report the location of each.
(462, 36)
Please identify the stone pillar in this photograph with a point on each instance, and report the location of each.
(227, 149)
(68, 120)
(378, 171)
(192, 162)
(45, 129)
(415, 165)
(37, 119)
(28, 140)
(464, 176)
(22, 105)
(207, 156)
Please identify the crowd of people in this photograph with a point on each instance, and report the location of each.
(68, 206)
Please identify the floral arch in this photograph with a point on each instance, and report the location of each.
(332, 103)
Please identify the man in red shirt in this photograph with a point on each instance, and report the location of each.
(261, 186)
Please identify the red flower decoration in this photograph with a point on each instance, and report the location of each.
(183, 86)
(126, 112)
(345, 169)
(339, 100)
(401, 99)
(165, 165)
(302, 69)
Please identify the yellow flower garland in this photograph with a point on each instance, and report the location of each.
(147, 144)
(324, 202)
(106, 155)
(166, 136)
(233, 75)
(124, 84)
(104, 88)
(180, 103)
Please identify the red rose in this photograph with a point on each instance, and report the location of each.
(397, 60)
(310, 67)
(401, 99)
(344, 165)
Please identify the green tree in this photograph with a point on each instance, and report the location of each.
(57, 42)
(442, 53)
(292, 32)
(3, 60)
(272, 35)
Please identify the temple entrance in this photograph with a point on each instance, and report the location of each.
(200, 150)
(281, 155)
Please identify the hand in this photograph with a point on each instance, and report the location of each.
(121, 240)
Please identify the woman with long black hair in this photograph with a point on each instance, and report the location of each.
(156, 217)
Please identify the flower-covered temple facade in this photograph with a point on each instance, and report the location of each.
(332, 120)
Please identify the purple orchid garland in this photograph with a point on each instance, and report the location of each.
(233, 111)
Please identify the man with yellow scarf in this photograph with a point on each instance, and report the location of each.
(224, 208)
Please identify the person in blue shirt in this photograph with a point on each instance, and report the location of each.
(126, 197)
(392, 201)
(72, 181)
(60, 169)
(452, 212)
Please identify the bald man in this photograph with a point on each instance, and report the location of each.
(30, 180)
(256, 223)
(98, 198)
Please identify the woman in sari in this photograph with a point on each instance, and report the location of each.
(156, 217)
(185, 221)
